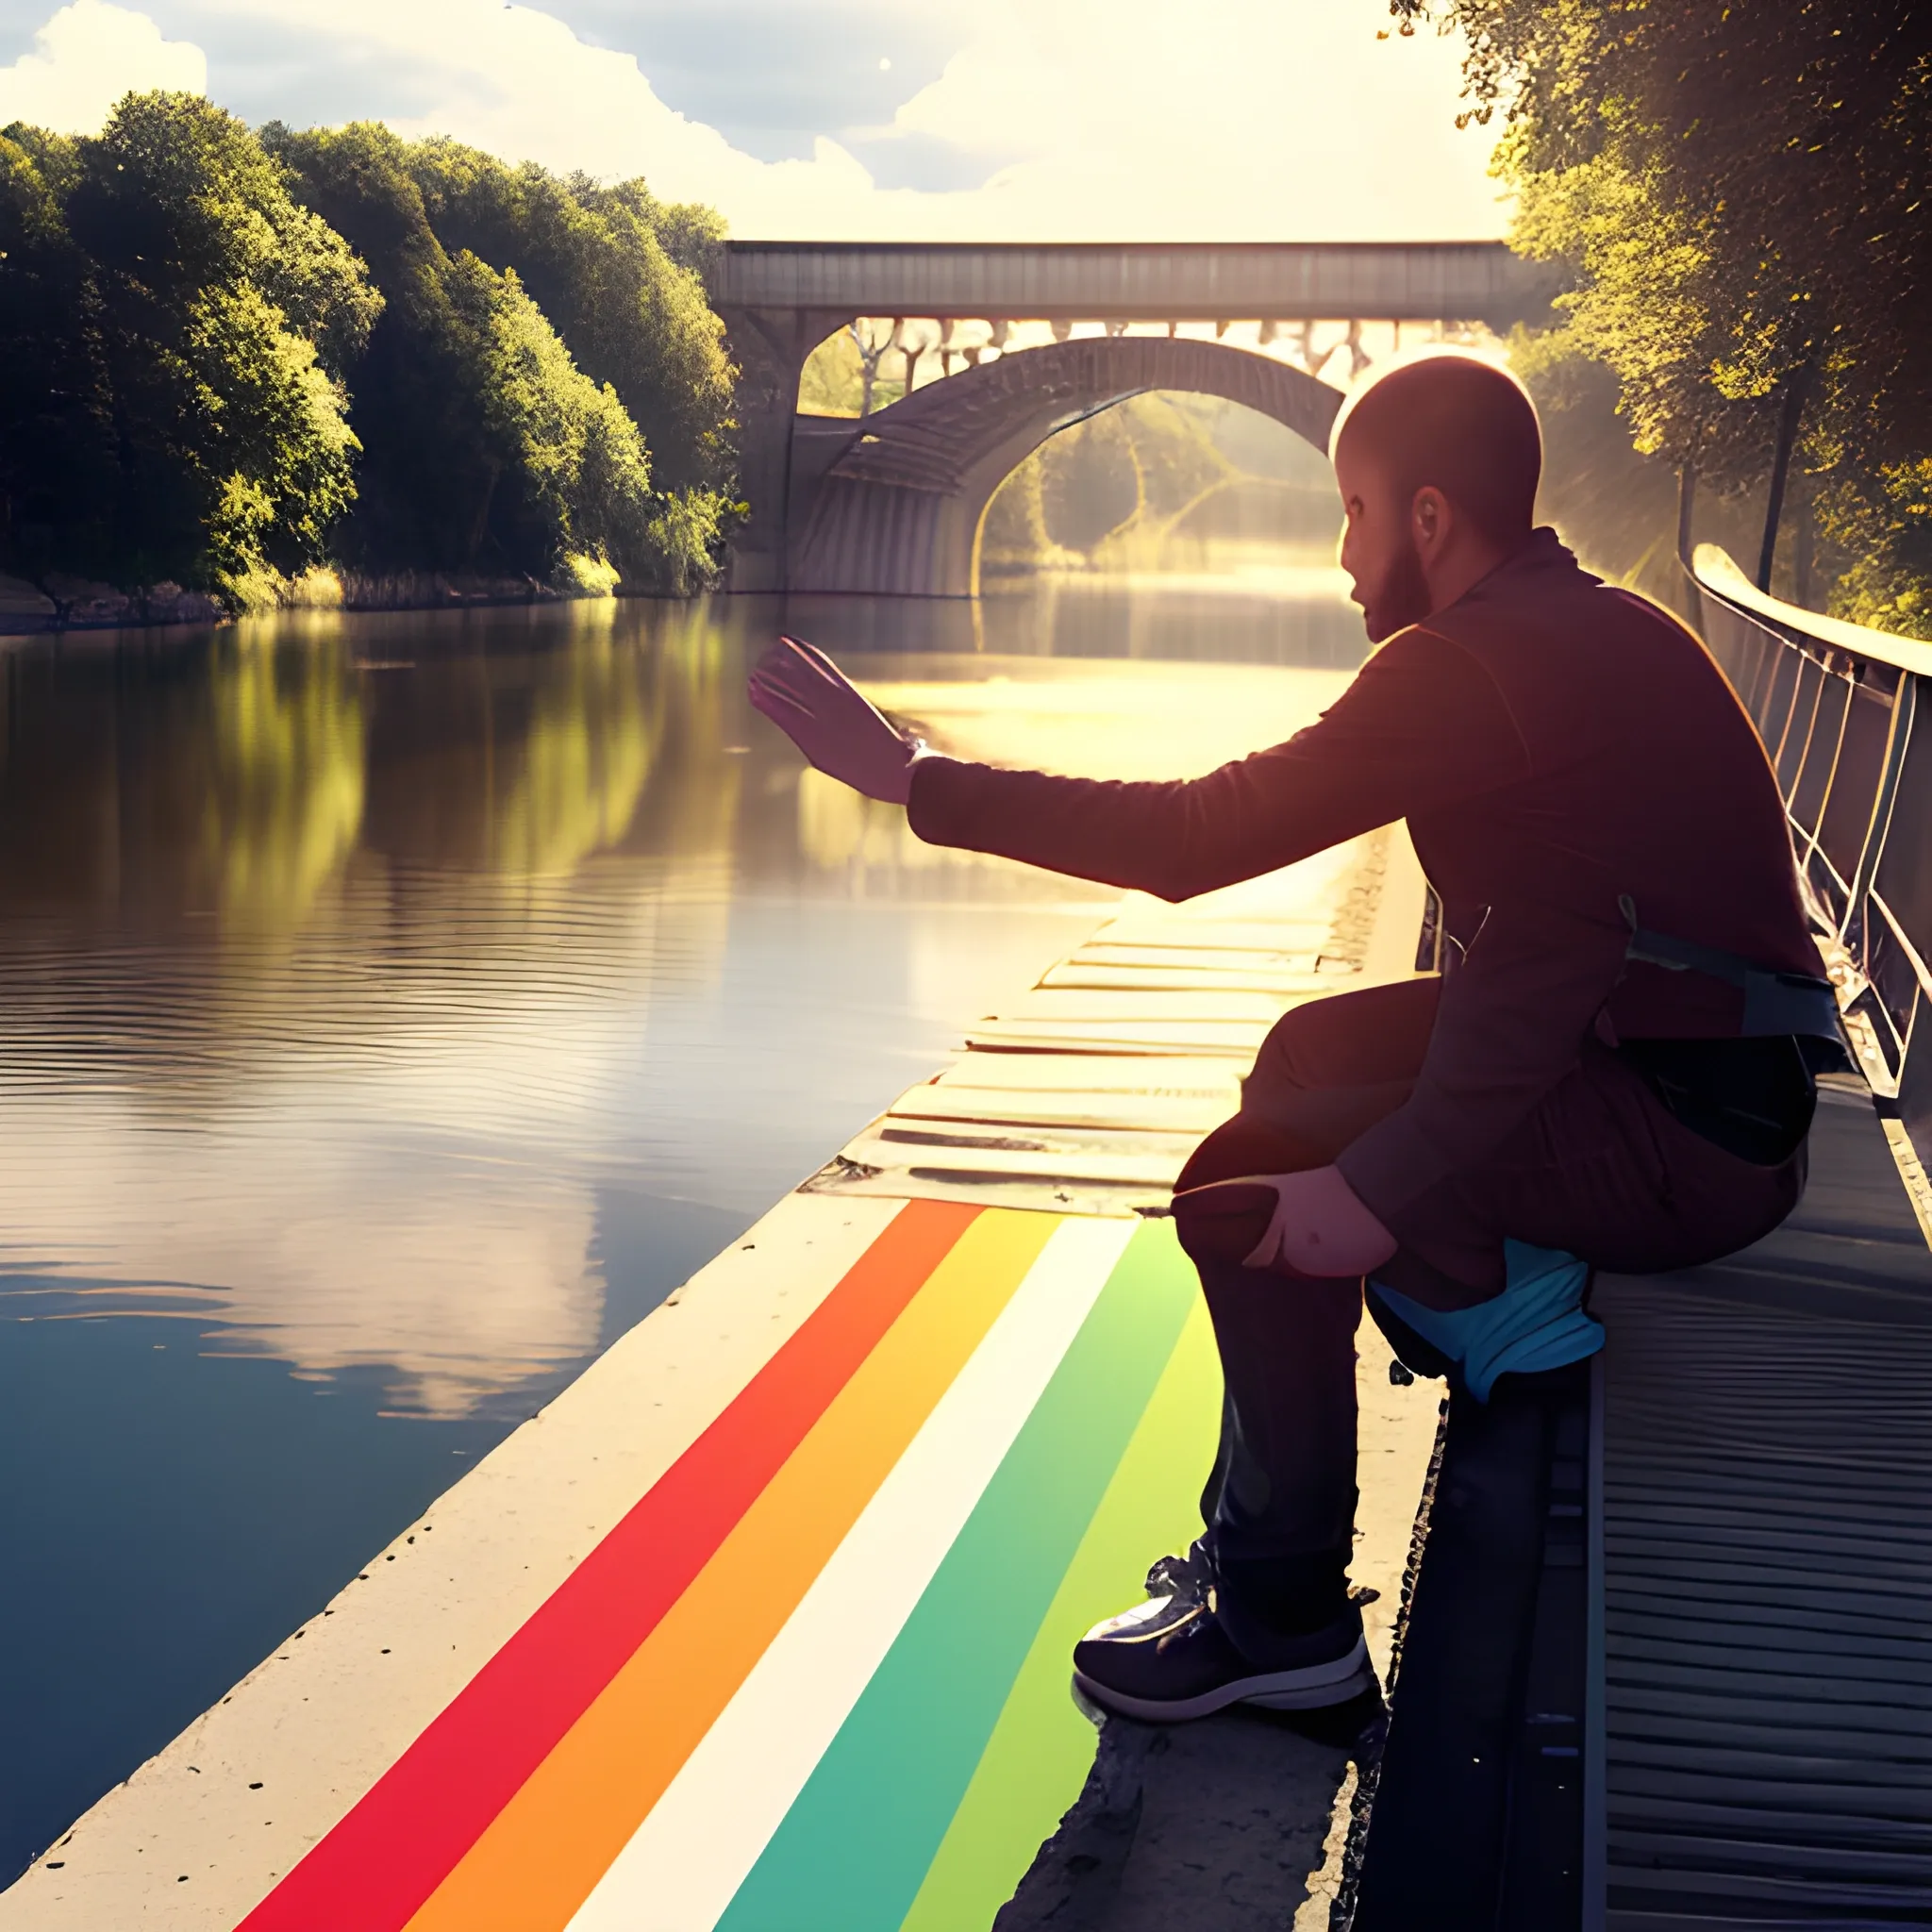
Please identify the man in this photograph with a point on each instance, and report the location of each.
(1615, 1071)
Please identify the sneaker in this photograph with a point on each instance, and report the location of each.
(1172, 1658)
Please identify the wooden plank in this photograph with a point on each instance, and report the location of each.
(1107, 951)
(1081, 974)
(1176, 1077)
(1071, 1160)
(1173, 930)
(1154, 1006)
(915, 1137)
(977, 1189)
(1068, 1108)
(1192, 1038)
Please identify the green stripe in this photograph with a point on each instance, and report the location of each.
(1037, 1756)
(857, 1841)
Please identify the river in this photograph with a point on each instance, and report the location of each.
(393, 1008)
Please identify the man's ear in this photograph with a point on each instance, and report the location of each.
(1429, 517)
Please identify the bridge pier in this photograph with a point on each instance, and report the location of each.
(770, 346)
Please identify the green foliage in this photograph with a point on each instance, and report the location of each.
(1122, 471)
(1113, 490)
(686, 532)
(185, 305)
(1888, 530)
(1742, 192)
(1613, 504)
(422, 427)
(691, 233)
(57, 474)
(592, 258)
(567, 467)
(179, 197)
(270, 435)
(175, 323)
(832, 383)
(487, 446)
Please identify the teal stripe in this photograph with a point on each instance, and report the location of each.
(856, 1844)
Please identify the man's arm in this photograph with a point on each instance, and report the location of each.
(1422, 726)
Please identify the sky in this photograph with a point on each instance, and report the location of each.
(1047, 120)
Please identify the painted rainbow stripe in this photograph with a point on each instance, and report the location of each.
(817, 1677)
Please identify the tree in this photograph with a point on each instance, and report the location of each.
(568, 471)
(184, 307)
(1743, 192)
(57, 474)
(593, 260)
(177, 327)
(487, 447)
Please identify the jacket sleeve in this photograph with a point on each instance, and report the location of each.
(1422, 726)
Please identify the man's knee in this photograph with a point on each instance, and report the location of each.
(1371, 1037)
(1292, 1056)
(1247, 1145)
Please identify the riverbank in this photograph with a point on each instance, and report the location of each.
(62, 602)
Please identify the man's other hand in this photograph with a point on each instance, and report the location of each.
(1319, 1226)
(810, 699)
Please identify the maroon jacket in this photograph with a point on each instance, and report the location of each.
(1554, 744)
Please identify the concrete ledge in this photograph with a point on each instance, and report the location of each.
(1227, 1824)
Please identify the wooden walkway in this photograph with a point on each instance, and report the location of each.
(764, 1623)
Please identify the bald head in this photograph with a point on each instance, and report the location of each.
(1437, 464)
(1463, 425)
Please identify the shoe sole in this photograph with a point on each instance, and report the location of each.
(1314, 1688)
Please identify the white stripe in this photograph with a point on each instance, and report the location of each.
(690, 1855)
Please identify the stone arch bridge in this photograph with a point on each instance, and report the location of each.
(891, 503)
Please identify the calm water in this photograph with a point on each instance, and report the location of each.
(392, 1010)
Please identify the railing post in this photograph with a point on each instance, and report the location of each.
(1686, 500)
(1793, 410)
(1904, 710)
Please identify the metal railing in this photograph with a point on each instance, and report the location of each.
(1836, 705)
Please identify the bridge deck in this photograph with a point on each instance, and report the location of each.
(764, 1622)
(1145, 280)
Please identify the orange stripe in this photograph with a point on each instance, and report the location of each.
(539, 1858)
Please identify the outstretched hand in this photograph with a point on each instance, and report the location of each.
(810, 699)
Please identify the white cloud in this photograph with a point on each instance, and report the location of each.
(84, 59)
(1098, 119)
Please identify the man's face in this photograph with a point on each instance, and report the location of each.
(1378, 549)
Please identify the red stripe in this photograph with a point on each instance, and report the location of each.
(375, 1869)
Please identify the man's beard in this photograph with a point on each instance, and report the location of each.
(1402, 599)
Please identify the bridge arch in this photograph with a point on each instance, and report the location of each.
(892, 504)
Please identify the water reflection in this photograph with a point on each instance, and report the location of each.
(1236, 601)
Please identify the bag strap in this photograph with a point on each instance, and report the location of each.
(1775, 1001)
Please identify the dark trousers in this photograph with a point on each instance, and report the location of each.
(1602, 1169)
